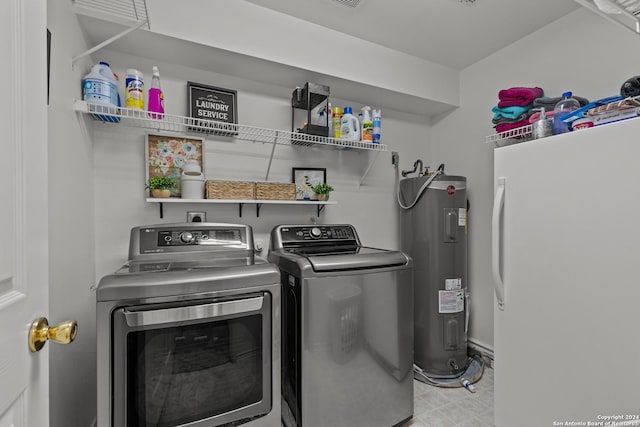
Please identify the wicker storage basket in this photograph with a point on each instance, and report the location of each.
(235, 190)
(275, 191)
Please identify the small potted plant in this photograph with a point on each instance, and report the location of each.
(322, 191)
(161, 186)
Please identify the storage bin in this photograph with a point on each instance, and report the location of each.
(234, 190)
(275, 191)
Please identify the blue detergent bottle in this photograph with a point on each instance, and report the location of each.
(101, 87)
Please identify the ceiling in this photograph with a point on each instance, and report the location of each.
(454, 33)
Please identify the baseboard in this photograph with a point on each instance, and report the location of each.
(481, 350)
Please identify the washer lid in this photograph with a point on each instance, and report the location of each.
(341, 259)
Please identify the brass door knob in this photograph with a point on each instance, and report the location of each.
(40, 332)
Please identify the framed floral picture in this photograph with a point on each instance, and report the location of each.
(166, 156)
(307, 178)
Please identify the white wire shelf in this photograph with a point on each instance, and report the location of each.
(123, 11)
(516, 135)
(138, 118)
(625, 13)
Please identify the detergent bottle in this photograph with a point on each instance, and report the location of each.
(101, 87)
(367, 125)
(349, 126)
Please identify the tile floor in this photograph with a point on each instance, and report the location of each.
(453, 407)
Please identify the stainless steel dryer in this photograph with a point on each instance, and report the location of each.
(189, 331)
(347, 316)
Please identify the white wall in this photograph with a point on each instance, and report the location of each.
(71, 231)
(259, 32)
(120, 166)
(581, 52)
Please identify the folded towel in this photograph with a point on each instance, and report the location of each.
(509, 112)
(503, 127)
(550, 103)
(521, 117)
(518, 96)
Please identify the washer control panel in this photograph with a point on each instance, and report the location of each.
(305, 234)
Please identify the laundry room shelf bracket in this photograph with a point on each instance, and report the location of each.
(132, 13)
(319, 205)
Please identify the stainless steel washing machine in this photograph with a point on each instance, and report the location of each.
(189, 331)
(347, 319)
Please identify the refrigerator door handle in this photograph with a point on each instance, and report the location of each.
(498, 205)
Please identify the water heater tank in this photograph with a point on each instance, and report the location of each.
(434, 234)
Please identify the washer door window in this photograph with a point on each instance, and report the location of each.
(201, 365)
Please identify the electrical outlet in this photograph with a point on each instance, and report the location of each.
(196, 217)
(258, 246)
(395, 158)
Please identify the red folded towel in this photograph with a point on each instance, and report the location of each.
(503, 127)
(518, 96)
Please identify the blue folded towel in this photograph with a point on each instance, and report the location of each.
(509, 112)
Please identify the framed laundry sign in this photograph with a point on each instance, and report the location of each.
(167, 155)
(213, 109)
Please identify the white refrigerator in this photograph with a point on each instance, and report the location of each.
(566, 267)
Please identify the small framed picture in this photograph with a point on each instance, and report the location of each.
(307, 178)
(209, 104)
(166, 156)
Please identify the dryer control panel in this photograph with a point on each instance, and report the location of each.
(285, 236)
(188, 238)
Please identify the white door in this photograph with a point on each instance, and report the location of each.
(24, 376)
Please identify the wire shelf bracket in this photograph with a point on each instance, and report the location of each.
(128, 12)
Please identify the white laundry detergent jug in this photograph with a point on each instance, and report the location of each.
(192, 181)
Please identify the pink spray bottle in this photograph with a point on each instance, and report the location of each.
(156, 96)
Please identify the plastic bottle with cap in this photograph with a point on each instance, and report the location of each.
(156, 96)
(376, 118)
(566, 105)
(100, 86)
(367, 124)
(337, 115)
(542, 127)
(349, 126)
(134, 89)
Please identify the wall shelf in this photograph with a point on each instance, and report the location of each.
(319, 205)
(137, 118)
(133, 117)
